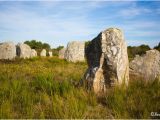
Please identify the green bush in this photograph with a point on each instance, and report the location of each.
(157, 47)
(37, 44)
(137, 50)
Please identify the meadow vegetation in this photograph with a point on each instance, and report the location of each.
(47, 88)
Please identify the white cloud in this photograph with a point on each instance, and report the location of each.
(22, 24)
(132, 12)
(60, 22)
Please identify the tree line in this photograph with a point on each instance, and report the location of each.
(132, 50)
(139, 50)
(38, 46)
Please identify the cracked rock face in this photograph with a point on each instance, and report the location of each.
(7, 50)
(23, 50)
(107, 59)
(146, 66)
(61, 53)
(75, 51)
(43, 53)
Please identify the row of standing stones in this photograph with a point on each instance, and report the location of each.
(106, 57)
(9, 51)
(108, 63)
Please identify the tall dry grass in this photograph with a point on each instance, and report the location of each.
(45, 88)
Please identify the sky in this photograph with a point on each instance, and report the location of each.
(58, 22)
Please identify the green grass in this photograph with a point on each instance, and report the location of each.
(46, 88)
(136, 101)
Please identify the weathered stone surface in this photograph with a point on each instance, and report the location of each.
(146, 66)
(43, 53)
(50, 53)
(7, 50)
(107, 59)
(33, 53)
(61, 53)
(23, 50)
(75, 51)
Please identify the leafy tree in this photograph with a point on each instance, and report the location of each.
(37, 45)
(87, 43)
(59, 48)
(46, 46)
(157, 47)
(55, 51)
(137, 50)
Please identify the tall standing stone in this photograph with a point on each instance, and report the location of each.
(23, 50)
(50, 53)
(146, 66)
(75, 51)
(43, 53)
(107, 59)
(7, 50)
(33, 53)
(61, 53)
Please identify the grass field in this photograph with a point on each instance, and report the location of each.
(46, 88)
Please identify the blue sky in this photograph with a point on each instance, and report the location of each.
(58, 22)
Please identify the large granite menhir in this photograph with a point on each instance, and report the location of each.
(107, 59)
(7, 51)
(147, 66)
(75, 51)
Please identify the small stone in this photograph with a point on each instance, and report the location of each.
(61, 53)
(33, 53)
(50, 53)
(43, 53)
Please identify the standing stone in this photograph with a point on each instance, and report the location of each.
(107, 59)
(75, 51)
(43, 53)
(33, 53)
(146, 66)
(50, 53)
(61, 53)
(23, 50)
(7, 50)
